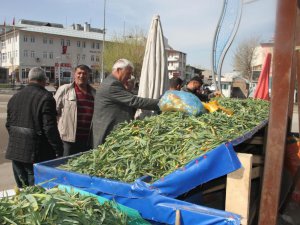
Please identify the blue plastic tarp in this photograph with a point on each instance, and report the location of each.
(150, 199)
(215, 163)
(162, 209)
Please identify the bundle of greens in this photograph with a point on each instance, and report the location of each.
(35, 206)
(158, 145)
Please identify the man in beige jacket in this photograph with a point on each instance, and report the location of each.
(75, 107)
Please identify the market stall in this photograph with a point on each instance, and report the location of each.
(172, 181)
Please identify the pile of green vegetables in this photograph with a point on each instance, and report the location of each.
(158, 145)
(35, 206)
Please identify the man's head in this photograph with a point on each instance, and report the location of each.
(195, 84)
(175, 83)
(37, 75)
(81, 75)
(122, 70)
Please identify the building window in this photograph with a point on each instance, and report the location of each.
(68, 43)
(32, 54)
(97, 58)
(92, 58)
(83, 44)
(93, 45)
(3, 44)
(3, 57)
(45, 55)
(97, 45)
(78, 44)
(83, 57)
(51, 41)
(25, 38)
(45, 40)
(224, 86)
(62, 42)
(50, 55)
(25, 53)
(32, 39)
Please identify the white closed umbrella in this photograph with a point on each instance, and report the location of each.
(154, 80)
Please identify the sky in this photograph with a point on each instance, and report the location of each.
(188, 25)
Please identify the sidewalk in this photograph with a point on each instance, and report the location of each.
(7, 180)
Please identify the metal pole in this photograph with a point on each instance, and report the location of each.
(59, 73)
(103, 41)
(284, 48)
(213, 59)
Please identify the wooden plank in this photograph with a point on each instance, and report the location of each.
(239, 187)
(282, 65)
(256, 172)
(256, 140)
(257, 160)
(213, 189)
(177, 220)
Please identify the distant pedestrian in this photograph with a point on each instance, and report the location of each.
(194, 86)
(75, 108)
(32, 128)
(175, 84)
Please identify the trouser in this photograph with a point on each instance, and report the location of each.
(23, 173)
(71, 148)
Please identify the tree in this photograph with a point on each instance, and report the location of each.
(131, 47)
(244, 57)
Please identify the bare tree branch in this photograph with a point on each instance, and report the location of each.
(244, 56)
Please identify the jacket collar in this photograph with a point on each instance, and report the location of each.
(36, 85)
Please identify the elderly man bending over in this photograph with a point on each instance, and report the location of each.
(114, 104)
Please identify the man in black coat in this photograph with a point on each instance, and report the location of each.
(114, 104)
(32, 128)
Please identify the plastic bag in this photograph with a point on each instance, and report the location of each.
(181, 101)
(213, 106)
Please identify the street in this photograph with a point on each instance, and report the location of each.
(6, 175)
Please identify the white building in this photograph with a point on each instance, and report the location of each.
(176, 63)
(50, 46)
(191, 71)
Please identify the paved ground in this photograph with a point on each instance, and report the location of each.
(6, 176)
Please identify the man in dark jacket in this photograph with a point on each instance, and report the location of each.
(114, 104)
(194, 86)
(32, 128)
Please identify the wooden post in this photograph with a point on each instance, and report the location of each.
(177, 220)
(282, 66)
(298, 60)
(238, 188)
